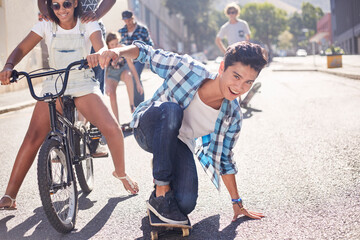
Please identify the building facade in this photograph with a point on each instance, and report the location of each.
(167, 31)
(345, 21)
(323, 36)
(324, 26)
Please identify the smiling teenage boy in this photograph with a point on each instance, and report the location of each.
(191, 104)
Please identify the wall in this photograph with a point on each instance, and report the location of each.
(346, 24)
(113, 20)
(167, 31)
(18, 21)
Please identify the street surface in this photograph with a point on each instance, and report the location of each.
(298, 160)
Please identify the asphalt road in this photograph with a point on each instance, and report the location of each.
(298, 160)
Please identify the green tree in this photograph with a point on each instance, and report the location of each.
(265, 21)
(285, 40)
(198, 18)
(310, 16)
(296, 25)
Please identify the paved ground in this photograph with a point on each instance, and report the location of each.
(298, 160)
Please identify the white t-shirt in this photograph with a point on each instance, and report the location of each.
(235, 32)
(199, 120)
(44, 30)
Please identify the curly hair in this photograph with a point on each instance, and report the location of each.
(232, 6)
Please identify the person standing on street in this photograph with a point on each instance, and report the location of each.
(129, 33)
(194, 111)
(235, 30)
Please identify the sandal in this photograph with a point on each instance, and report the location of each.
(11, 207)
(127, 179)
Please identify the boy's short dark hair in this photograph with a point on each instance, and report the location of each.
(247, 53)
(77, 11)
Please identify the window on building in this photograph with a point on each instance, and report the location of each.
(158, 31)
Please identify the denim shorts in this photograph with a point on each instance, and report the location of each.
(115, 73)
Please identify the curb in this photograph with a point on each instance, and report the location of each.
(30, 103)
(16, 107)
(347, 75)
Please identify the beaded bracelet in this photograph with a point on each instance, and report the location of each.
(239, 200)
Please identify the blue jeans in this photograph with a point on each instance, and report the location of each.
(137, 97)
(173, 162)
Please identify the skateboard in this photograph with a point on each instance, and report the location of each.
(160, 228)
(244, 103)
(125, 127)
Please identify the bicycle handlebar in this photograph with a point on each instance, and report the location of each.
(15, 75)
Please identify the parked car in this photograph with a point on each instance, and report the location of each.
(301, 53)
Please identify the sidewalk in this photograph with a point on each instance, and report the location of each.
(350, 68)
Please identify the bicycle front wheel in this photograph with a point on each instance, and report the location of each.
(84, 169)
(58, 193)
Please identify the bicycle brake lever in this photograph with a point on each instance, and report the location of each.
(84, 64)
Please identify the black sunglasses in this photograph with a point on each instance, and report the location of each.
(232, 12)
(56, 6)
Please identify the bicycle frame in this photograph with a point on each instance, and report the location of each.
(66, 136)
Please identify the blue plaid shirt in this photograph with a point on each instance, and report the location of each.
(182, 78)
(140, 33)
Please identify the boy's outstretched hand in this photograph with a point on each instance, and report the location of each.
(239, 210)
(102, 58)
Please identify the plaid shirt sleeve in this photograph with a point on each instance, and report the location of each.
(161, 62)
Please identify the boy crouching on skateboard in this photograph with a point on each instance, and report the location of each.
(192, 103)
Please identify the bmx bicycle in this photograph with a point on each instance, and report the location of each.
(65, 148)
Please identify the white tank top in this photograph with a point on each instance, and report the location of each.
(199, 120)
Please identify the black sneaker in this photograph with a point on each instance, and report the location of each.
(166, 208)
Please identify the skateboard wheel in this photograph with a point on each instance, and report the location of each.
(154, 235)
(186, 232)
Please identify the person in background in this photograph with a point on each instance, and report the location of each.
(235, 30)
(123, 70)
(130, 32)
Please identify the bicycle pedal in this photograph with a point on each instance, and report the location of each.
(94, 138)
(95, 155)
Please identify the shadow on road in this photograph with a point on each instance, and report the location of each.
(249, 112)
(43, 229)
(205, 229)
